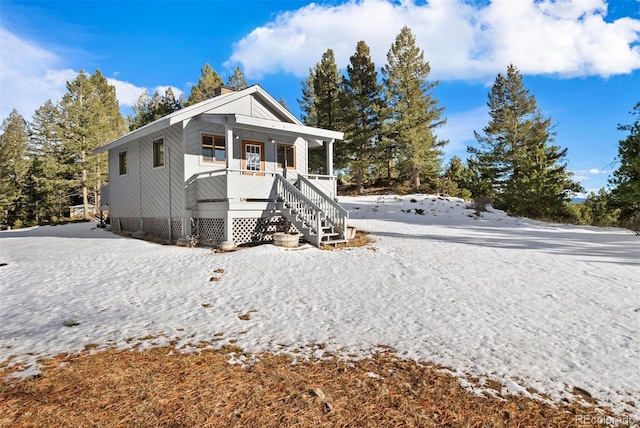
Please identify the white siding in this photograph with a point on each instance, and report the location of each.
(156, 189)
(124, 189)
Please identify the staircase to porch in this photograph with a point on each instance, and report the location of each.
(318, 217)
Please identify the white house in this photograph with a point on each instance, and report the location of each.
(229, 169)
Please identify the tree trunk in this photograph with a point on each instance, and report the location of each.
(416, 179)
(85, 190)
(359, 182)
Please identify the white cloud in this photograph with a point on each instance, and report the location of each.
(163, 90)
(460, 40)
(592, 171)
(29, 75)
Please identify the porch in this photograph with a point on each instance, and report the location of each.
(224, 202)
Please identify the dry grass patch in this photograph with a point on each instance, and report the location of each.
(362, 239)
(160, 388)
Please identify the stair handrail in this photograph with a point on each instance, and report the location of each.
(310, 213)
(335, 214)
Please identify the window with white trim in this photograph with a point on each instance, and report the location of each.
(122, 163)
(158, 153)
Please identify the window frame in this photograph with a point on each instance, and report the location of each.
(214, 137)
(154, 160)
(260, 144)
(286, 148)
(122, 163)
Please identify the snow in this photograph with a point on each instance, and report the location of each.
(540, 308)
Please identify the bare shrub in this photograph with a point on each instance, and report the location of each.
(479, 204)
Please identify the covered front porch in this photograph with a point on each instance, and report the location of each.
(232, 203)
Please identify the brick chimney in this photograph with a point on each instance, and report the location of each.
(221, 90)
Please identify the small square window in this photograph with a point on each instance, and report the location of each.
(122, 163)
(158, 153)
(213, 149)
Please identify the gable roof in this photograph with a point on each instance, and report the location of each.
(288, 121)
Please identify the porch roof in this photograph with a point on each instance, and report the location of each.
(317, 135)
(289, 125)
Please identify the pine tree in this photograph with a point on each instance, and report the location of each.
(90, 117)
(361, 105)
(321, 103)
(236, 81)
(307, 102)
(283, 103)
(14, 166)
(208, 82)
(626, 179)
(527, 175)
(47, 185)
(147, 109)
(413, 113)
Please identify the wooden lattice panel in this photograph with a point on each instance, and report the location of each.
(259, 229)
(245, 230)
(129, 224)
(176, 229)
(157, 227)
(211, 230)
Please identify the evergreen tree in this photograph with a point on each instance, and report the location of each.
(208, 82)
(321, 103)
(528, 175)
(147, 109)
(282, 102)
(142, 112)
(626, 179)
(14, 165)
(307, 102)
(361, 105)
(47, 185)
(596, 210)
(90, 117)
(236, 80)
(413, 113)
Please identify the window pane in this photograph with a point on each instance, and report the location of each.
(207, 153)
(158, 153)
(290, 160)
(123, 163)
(252, 156)
(220, 150)
(289, 150)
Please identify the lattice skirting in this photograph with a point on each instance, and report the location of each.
(210, 230)
(125, 224)
(159, 228)
(246, 230)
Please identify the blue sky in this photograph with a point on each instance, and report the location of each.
(580, 58)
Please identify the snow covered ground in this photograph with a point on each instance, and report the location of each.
(541, 308)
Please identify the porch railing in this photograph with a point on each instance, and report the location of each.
(308, 212)
(335, 214)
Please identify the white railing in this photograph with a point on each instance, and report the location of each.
(335, 214)
(325, 183)
(309, 213)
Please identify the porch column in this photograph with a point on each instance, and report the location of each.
(228, 143)
(329, 153)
